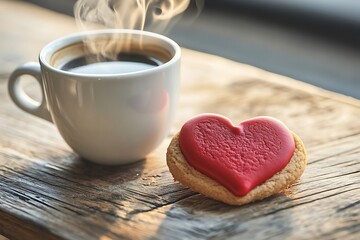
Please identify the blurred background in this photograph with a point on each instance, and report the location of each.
(315, 41)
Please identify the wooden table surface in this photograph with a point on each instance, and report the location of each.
(48, 192)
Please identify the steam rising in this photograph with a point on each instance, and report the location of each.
(150, 15)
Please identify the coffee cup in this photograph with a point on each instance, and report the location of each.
(109, 110)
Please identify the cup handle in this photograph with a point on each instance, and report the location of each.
(20, 98)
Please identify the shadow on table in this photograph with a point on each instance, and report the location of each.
(201, 217)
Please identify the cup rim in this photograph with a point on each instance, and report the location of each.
(59, 43)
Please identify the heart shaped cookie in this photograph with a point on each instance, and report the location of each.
(236, 164)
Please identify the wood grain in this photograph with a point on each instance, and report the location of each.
(48, 192)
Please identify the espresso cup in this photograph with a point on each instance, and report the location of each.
(108, 117)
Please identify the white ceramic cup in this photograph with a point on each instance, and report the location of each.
(105, 118)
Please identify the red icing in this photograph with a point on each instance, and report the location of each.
(238, 157)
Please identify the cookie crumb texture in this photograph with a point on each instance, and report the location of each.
(198, 182)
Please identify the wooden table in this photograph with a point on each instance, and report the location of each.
(48, 192)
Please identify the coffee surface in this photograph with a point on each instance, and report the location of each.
(125, 63)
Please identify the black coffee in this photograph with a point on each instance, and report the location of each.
(124, 63)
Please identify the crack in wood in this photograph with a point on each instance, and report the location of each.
(349, 232)
(351, 162)
(307, 202)
(43, 181)
(138, 211)
(44, 196)
(329, 176)
(318, 192)
(348, 206)
(334, 155)
(29, 200)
